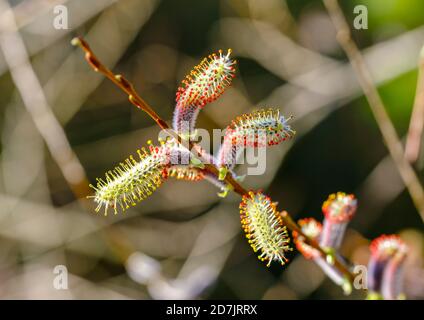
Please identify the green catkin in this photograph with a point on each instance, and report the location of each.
(132, 181)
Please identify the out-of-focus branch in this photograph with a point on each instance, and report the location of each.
(377, 107)
(28, 15)
(413, 141)
(35, 102)
(137, 101)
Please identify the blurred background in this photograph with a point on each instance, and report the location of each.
(61, 124)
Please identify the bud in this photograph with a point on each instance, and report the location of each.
(338, 210)
(312, 229)
(385, 267)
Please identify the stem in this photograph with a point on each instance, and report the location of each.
(378, 109)
(136, 100)
(413, 141)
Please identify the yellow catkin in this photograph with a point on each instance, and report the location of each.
(264, 228)
(132, 181)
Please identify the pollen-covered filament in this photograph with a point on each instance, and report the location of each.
(132, 181)
(264, 227)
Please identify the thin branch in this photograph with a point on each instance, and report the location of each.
(384, 123)
(137, 101)
(413, 141)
